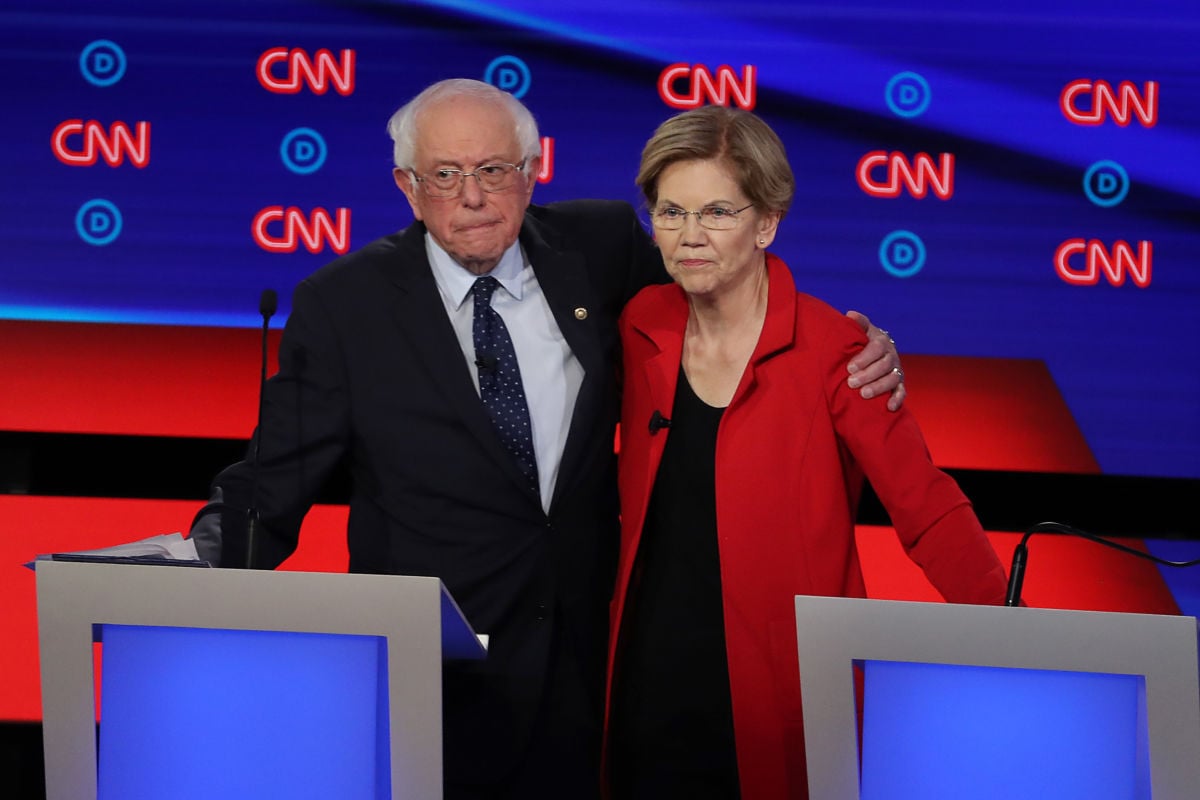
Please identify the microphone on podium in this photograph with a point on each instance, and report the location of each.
(267, 305)
(1016, 575)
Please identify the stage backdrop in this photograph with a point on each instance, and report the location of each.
(1014, 180)
(1012, 189)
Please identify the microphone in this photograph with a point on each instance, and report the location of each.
(485, 362)
(267, 304)
(1016, 575)
(658, 422)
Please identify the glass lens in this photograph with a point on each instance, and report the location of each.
(445, 180)
(718, 218)
(715, 218)
(494, 177)
(449, 182)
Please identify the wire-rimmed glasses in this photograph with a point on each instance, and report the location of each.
(715, 218)
(447, 182)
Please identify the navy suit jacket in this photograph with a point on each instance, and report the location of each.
(371, 375)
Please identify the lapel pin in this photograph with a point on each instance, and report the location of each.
(581, 313)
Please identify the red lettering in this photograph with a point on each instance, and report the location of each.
(918, 176)
(546, 173)
(95, 142)
(313, 231)
(1122, 104)
(319, 72)
(703, 86)
(1114, 264)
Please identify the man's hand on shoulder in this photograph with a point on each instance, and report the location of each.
(876, 370)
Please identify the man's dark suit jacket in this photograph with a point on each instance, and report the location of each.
(371, 375)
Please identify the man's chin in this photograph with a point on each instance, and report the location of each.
(478, 263)
(479, 257)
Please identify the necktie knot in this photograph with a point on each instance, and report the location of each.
(483, 288)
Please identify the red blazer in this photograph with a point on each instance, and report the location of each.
(792, 449)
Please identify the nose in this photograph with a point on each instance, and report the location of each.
(472, 191)
(692, 230)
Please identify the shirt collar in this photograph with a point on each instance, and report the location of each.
(455, 281)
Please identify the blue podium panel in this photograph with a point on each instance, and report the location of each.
(941, 731)
(213, 714)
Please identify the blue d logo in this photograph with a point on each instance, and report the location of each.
(98, 222)
(1106, 183)
(510, 74)
(907, 94)
(303, 151)
(902, 254)
(102, 63)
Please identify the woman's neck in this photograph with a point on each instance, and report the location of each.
(740, 308)
(722, 332)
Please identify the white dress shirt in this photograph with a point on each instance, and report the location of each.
(550, 373)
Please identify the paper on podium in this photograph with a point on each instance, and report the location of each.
(168, 548)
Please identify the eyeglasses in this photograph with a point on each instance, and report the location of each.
(449, 182)
(715, 218)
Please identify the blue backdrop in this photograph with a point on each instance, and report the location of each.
(104, 220)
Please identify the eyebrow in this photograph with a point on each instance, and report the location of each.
(711, 203)
(494, 159)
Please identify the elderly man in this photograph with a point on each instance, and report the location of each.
(465, 371)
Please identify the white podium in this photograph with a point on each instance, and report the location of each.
(226, 683)
(984, 701)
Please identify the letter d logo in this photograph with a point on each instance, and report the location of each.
(98, 222)
(509, 74)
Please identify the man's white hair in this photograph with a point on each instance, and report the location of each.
(402, 127)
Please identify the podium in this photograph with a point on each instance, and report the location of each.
(986, 701)
(225, 683)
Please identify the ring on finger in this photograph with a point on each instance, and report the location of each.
(899, 373)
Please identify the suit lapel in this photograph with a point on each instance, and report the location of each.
(779, 327)
(429, 336)
(562, 276)
(665, 329)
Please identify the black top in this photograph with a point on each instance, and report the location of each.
(672, 724)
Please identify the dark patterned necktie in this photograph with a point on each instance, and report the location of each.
(500, 380)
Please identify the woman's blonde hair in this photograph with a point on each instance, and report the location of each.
(747, 145)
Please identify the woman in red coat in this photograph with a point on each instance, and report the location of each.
(742, 458)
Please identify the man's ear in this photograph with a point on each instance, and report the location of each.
(407, 184)
(533, 167)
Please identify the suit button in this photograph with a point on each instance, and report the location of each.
(541, 611)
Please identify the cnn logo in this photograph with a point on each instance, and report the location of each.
(81, 144)
(1086, 102)
(699, 86)
(1081, 262)
(281, 230)
(884, 174)
(285, 71)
